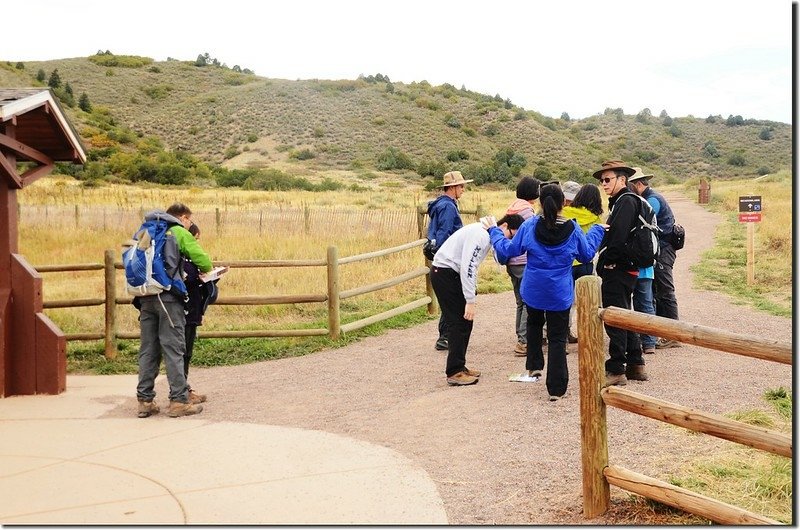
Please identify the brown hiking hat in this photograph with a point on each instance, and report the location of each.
(619, 165)
(638, 175)
(454, 178)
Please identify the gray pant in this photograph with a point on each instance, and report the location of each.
(160, 335)
(515, 272)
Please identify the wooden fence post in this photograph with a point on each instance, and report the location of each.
(591, 374)
(334, 324)
(217, 219)
(111, 306)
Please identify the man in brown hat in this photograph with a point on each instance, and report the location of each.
(444, 221)
(618, 273)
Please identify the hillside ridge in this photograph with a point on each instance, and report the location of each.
(346, 129)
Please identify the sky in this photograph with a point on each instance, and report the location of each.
(685, 57)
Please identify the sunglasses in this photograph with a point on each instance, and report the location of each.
(608, 179)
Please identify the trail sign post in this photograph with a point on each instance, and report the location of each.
(750, 212)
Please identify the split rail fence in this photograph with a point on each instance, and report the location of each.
(332, 297)
(594, 398)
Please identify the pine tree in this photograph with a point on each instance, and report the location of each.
(84, 104)
(55, 79)
(40, 75)
(68, 89)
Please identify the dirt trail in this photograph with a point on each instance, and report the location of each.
(499, 452)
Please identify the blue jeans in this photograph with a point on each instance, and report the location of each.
(643, 303)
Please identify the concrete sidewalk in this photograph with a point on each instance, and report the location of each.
(63, 462)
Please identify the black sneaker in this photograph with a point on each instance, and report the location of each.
(442, 344)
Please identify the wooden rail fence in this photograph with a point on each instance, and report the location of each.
(333, 297)
(597, 473)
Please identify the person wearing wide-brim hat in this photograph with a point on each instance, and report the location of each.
(444, 221)
(666, 303)
(643, 291)
(618, 273)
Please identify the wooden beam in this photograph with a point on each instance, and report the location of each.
(25, 151)
(765, 348)
(682, 499)
(699, 421)
(10, 172)
(36, 173)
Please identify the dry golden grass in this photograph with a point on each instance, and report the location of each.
(62, 222)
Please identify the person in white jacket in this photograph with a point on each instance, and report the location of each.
(454, 277)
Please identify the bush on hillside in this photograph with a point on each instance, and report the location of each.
(393, 158)
(737, 159)
(40, 75)
(123, 61)
(457, 155)
(766, 133)
(710, 149)
(429, 168)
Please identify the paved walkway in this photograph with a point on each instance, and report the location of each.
(63, 462)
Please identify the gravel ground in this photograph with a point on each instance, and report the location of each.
(499, 452)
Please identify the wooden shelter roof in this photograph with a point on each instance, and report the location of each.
(40, 122)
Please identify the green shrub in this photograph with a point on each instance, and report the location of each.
(646, 156)
(393, 158)
(491, 130)
(160, 91)
(675, 131)
(427, 103)
(469, 131)
(40, 75)
(452, 121)
(252, 137)
(737, 159)
(710, 149)
(520, 115)
(457, 155)
(231, 152)
(123, 61)
(765, 134)
(302, 154)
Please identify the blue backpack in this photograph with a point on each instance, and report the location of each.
(145, 272)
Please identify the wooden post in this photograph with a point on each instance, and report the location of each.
(111, 306)
(334, 324)
(217, 219)
(703, 192)
(591, 374)
(751, 253)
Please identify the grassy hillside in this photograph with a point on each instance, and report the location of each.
(340, 129)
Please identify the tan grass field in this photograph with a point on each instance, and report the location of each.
(62, 222)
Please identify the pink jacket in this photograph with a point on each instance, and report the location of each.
(525, 209)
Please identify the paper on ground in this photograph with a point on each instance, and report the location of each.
(522, 378)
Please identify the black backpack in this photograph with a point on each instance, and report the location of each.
(642, 247)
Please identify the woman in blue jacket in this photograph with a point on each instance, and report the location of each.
(551, 243)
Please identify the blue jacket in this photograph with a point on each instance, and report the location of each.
(444, 219)
(547, 282)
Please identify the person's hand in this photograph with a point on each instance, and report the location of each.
(488, 222)
(469, 311)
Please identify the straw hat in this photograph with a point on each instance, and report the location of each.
(454, 178)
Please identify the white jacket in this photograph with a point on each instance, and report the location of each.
(463, 252)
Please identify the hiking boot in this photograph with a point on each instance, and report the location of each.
(147, 408)
(635, 372)
(615, 379)
(535, 373)
(572, 339)
(195, 398)
(556, 398)
(178, 408)
(441, 344)
(667, 343)
(649, 351)
(521, 350)
(473, 373)
(461, 378)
